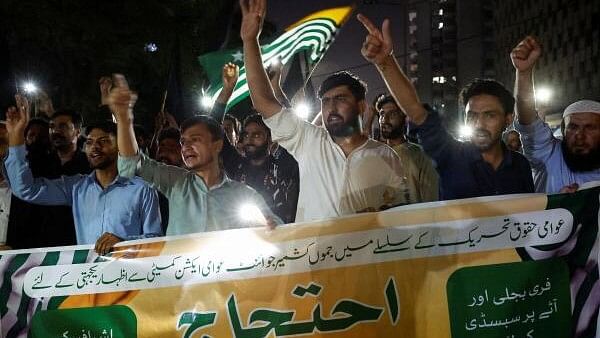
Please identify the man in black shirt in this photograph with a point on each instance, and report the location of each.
(276, 179)
(274, 174)
(65, 128)
(481, 167)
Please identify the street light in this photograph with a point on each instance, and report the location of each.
(465, 131)
(302, 110)
(30, 88)
(543, 95)
(250, 213)
(206, 102)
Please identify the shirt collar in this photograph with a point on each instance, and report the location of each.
(226, 180)
(118, 180)
(474, 154)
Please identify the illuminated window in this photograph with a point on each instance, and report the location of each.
(439, 79)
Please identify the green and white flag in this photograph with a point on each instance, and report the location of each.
(313, 34)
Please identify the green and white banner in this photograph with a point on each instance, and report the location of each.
(507, 266)
(314, 34)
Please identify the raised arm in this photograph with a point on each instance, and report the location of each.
(17, 119)
(23, 185)
(229, 76)
(378, 49)
(261, 92)
(274, 73)
(524, 57)
(121, 101)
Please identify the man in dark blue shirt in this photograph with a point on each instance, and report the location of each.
(481, 167)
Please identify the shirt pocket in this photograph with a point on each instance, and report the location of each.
(123, 220)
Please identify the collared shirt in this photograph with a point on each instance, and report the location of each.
(33, 225)
(331, 183)
(277, 179)
(127, 208)
(463, 172)
(193, 207)
(78, 164)
(422, 179)
(545, 153)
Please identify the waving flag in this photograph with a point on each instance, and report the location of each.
(312, 34)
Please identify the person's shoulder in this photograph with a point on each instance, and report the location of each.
(379, 147)
(519, 159)
(136, 182)
(240, 189)
(413, 147)
(237, 185)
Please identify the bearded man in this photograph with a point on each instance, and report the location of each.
(568, 164)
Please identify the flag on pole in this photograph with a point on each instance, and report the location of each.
(313, 34)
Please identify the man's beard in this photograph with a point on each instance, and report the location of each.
(59, 141)
(393, 133)
(344, 129)
(580, 163)
(485, 146)
(258, 153)
(104, 164)
(38, 147)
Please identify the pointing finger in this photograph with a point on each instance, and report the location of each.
(387, 33)
(368, 24)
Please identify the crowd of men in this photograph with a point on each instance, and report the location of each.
(211, 172)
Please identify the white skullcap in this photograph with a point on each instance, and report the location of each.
(583, 106)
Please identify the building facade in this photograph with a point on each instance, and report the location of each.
(569, 31)
(448, 44)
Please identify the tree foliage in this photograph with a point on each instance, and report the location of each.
(66, 45)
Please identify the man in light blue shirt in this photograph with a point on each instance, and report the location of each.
(201, 198)
(107, 208)
(568, 164)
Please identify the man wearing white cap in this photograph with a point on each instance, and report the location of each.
(568, 163)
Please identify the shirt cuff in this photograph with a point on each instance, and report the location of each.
(129, 165)
(18, 152)
(528, 128)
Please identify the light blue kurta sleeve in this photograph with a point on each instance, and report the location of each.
(36, 190)
(539, 144)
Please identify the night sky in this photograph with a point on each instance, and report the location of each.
(344, 54)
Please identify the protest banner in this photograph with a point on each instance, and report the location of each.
(507, 266)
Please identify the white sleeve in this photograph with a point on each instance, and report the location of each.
(292, 133)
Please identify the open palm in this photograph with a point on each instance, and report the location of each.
(253, 15)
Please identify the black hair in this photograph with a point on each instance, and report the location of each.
(489, 87)
(234, 120)
(75, 116)
(384, 99)
(257, 118)
(169, 133)
(108, 127)
(213, 126)
(141, 131)
(37, 121)
(344, 78)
